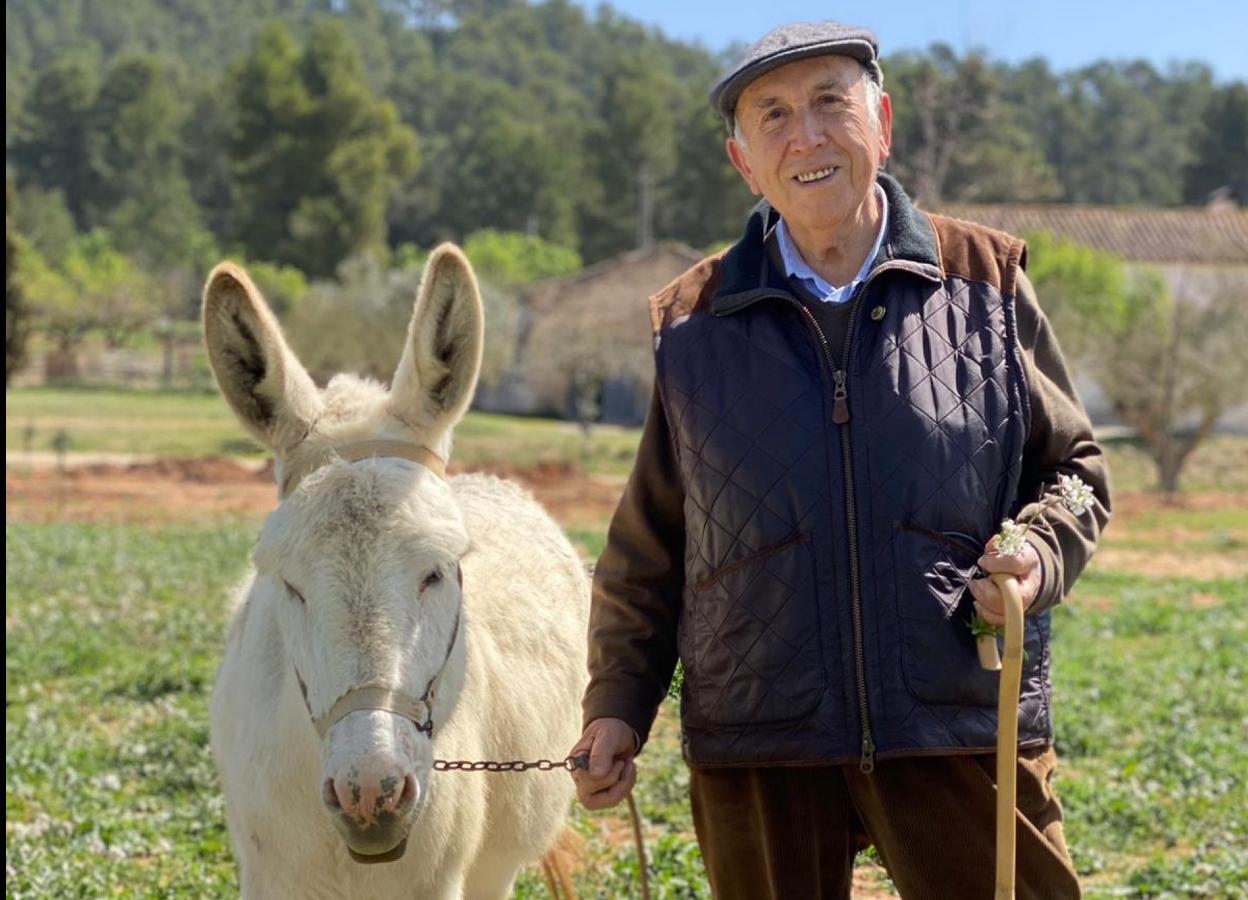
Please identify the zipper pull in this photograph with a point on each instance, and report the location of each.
(840, 398)
(867, 764)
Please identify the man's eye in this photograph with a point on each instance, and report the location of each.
(293, 592)
(432, 579)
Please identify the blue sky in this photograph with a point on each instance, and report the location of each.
(1068, 34)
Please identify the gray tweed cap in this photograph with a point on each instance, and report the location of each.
(789, 43)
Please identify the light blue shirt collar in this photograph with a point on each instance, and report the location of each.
(796, 267)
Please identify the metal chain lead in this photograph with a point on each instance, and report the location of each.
(568, 764)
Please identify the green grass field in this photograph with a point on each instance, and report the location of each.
(113, 632)
(186, 424)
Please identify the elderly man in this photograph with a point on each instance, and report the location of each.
(847, 403)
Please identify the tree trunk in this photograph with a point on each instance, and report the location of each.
(645, 206)
(61, 363)
(166, 365)
(1168, 468)
(1174, 455)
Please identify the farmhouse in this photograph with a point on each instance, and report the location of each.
(584, 348)
(1171, 239)
(585, 344)
(1193, 249)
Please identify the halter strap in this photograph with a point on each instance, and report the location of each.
(376, 696)
(360, 450)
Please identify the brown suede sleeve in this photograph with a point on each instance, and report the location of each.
(1060, 442)
(638, 584)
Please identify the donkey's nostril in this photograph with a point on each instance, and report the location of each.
(408, 797)
(329, 795)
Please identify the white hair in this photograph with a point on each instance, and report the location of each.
(875, 100)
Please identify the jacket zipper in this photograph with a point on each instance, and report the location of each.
(840, 416)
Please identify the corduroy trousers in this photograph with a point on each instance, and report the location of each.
(787, 833)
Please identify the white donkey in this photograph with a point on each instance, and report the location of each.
(392, 615)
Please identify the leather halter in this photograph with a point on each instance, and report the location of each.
(377, 696)
(361, 450)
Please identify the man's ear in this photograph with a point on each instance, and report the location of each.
(886, 127)
(738, 155)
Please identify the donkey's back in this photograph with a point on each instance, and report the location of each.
(527, 598)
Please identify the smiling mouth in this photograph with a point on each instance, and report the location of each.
(816, 175)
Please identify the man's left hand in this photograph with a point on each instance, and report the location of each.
(1024, 565)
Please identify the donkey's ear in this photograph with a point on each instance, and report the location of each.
(437, 375)
(266, 386)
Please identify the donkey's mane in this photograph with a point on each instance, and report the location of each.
(348, 399)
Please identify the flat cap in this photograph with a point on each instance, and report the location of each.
(789, 43)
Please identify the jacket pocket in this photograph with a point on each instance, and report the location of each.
(750, 641)
(934, 606)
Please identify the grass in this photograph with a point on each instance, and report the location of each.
(113, 632)
(112, 636)
(486, 439)
(1150, 706)
(106, 420)
(188, 424)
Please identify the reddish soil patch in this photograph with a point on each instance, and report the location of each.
(162, 491)
(870, 884)
(1129, 504)
(567, 493)
(204, 470)
(213, 488)
(1164, 548)
(1172, 564)
(1204, 601)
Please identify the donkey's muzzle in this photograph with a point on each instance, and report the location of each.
(388, 856)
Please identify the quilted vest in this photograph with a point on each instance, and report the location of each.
(837, 498)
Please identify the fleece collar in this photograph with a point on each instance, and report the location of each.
(746, 273)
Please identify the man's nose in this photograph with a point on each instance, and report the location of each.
(809, 132)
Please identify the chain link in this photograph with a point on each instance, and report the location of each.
(567, 764)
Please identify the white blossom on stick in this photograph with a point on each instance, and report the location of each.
(1070, 492)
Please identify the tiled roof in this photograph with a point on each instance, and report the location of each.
(1162, 236)
(610, 265)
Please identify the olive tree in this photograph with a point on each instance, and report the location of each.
(1165, 348)
(1177, 364)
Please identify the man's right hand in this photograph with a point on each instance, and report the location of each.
(611, 745)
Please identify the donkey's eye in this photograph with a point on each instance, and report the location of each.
(433, 579)
(290, 589)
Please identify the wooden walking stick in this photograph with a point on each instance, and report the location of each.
(1007, 726)
(1079, 499)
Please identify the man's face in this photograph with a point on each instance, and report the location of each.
(808, 143)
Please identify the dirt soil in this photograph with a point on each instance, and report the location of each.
(1170, 549)
(86, 489)
(214, 489)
